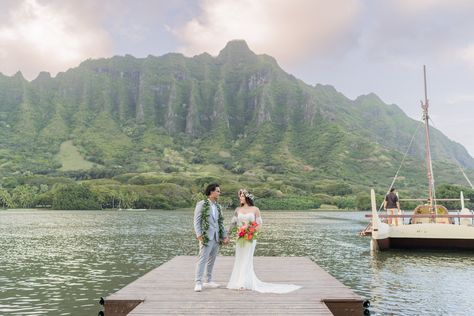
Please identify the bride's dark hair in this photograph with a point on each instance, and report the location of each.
(248, 197)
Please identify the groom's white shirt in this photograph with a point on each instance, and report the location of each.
(213, 209)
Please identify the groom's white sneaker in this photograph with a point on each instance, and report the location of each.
(198, 287)
(211, 285)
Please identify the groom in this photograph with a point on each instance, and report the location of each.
(209, 229)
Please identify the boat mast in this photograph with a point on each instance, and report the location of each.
(429, 166)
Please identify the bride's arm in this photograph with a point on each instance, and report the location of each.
(233, 221)
(258, 218)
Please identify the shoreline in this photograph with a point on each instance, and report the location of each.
(190, 209)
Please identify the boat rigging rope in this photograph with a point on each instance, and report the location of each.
(403, 160)
(363, 232)
(455, 160)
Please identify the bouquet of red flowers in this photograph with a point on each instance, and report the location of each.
(248, 231)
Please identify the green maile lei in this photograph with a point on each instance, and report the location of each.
(205, 221)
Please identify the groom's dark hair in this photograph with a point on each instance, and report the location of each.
(211, 188)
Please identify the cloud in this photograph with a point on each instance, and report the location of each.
(422, 6)
(424, 31)
(137, 21)
(466, 54)
(460, 99)
(288, 30)
(50, 36)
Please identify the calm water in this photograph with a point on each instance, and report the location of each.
(61, 262)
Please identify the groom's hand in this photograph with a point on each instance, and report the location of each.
(199, 238)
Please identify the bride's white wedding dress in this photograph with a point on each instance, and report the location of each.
(243, 275)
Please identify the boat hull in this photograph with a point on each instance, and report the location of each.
(424, 236)
(425, 243)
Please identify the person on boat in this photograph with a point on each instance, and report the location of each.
(392, 205)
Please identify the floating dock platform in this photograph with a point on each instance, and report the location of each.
(169, 290)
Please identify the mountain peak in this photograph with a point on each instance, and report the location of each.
(236, 49)
(237, 44)
(19, 75)
(43, 75)
(371, 97)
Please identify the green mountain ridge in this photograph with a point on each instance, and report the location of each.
(238, 112)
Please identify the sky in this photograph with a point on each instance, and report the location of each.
(357, 46)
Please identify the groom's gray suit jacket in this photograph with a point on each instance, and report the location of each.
(213, 232)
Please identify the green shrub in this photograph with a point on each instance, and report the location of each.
(74, 197)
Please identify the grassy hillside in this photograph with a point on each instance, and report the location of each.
(237, 118)
(71, 159)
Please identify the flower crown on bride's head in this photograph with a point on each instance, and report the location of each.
(246, 194)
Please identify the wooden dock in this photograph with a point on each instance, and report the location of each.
(169, 289)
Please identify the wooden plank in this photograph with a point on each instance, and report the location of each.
(169, 289)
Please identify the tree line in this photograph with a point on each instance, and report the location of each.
(86, 196)
(79, 196)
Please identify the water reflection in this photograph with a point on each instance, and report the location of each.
(61, 262)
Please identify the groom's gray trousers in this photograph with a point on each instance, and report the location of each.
(207, 257)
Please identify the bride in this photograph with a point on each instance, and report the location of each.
(243, 276)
